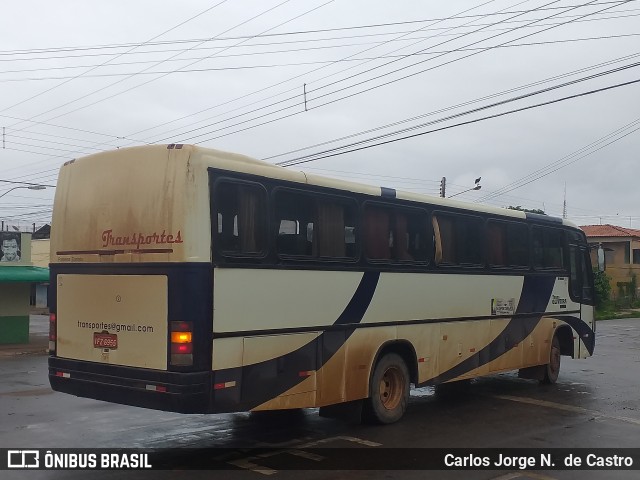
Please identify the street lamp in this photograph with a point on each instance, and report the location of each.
(30, 187)
(476, 187)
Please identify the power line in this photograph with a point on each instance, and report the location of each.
(452, 107)
(173, 137)
(490, 1)
(467, 112)
(26, 183)
(268, 35)
(106, 62)
(164, 75)
(591, 92)
(568, 159)
(89, 147)
(298, 76)
(360, 83)
(318, 62)
(558, 7)
(332, 83)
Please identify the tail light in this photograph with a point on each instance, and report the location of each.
(181, 344)
(53, 330)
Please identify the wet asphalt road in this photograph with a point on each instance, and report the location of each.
(596, 403)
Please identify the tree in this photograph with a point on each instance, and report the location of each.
(529, 210)
(602, 287)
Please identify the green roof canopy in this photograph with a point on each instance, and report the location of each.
(24, 274)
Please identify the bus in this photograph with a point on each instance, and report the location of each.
(192, 280)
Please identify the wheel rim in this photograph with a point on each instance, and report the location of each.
(391, 388)
(554, 361)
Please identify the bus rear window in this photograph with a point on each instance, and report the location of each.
(241, 218)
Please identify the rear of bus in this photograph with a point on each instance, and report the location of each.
(131, 279)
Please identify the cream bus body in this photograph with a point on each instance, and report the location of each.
(152, 287)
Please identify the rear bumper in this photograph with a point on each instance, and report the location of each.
(185, 392)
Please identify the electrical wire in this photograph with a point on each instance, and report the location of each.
(568, 159)
(497, 115)
(359, 92)
(317, 62)
(467, 112)
(354, 27)
(295, 97)
(114, 58)
(470, 102)
(164, 75)
(617, 2)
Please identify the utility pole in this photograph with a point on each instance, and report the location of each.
(443, 186)
(304, 90)
(564, 205)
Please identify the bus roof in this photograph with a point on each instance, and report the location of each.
(212, 158)
(241, 163)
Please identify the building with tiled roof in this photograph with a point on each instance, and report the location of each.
(605, 231)
(621, 253)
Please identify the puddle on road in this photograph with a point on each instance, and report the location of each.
(422, 392)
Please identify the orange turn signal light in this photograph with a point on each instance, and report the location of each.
(180, 337)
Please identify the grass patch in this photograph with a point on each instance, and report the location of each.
(610, 311)
(616, 315)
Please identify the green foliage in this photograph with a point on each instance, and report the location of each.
(602, 288)
(628, 291)
(530, 210)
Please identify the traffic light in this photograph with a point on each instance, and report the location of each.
(443, 186)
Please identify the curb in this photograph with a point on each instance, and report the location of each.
(37, 347)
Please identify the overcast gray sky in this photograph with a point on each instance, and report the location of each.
(77, 77)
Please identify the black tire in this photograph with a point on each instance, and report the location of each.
(388, 390)
(552, 369)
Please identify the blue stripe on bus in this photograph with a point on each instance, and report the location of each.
(264, 381)
(585, 333)
(536, 293)
(387, 192)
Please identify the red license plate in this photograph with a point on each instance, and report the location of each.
(105, 340)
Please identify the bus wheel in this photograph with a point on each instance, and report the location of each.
(389, 390)
(552, 369)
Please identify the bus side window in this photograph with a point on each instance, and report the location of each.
(330, 238)
(508, 244)
(461, 239)
(587, 278)
(314, 226)
(497, 240)
(377, 233)
(437, 241)
(448, 240)
(548, 248)
(397, 234)
(241, 217)
(410, 234)
(575, 278)
(294, 214)
(518, 244)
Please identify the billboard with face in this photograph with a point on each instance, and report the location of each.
(10, 246)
